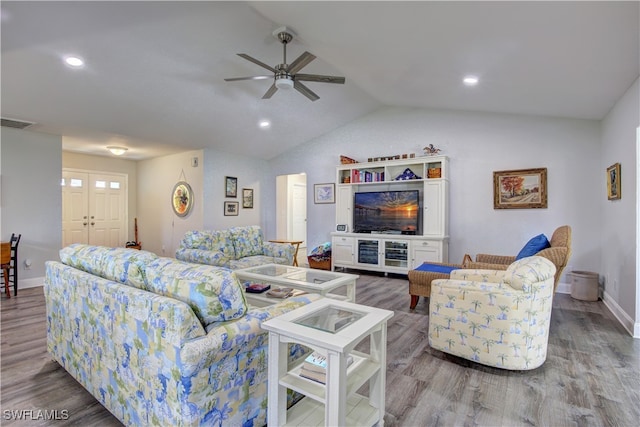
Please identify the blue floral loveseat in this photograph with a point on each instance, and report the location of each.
(234, 248)
(159, 341)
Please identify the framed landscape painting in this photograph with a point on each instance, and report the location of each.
(520, 189)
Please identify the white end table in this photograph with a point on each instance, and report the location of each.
(332, 328)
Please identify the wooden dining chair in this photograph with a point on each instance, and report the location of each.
(5, 262)
(9, 264)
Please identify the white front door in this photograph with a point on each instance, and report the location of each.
(94, 208)
(75, 207)
(107, 210)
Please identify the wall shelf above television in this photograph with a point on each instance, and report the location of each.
(427, 175)
(414, 169)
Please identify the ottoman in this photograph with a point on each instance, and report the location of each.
(420, 279)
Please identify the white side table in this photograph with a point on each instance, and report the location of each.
(333, 328)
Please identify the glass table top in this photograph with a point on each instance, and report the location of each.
(330, 319)
(272, 270)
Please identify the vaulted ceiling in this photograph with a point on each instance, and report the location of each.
(154, 72)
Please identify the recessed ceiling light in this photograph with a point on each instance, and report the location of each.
(264, 124)
(470, 80)
(74, 61)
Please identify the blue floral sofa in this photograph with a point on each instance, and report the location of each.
(499, 318)
(234, 248)
(159, 341)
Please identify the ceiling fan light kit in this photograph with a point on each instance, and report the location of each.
(285, 75)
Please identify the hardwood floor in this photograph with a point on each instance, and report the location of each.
(591, 376)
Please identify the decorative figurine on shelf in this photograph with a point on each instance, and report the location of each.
(430, 150)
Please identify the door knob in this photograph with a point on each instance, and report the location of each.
(84, 223)
(93, 223)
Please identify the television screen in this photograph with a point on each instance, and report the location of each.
(394, 212)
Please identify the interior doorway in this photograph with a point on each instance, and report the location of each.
(94, 208)
(291, 223)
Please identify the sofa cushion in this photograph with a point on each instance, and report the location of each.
(127, 266)
(523, 273)
(214, 293)
(197, 239)
(533, 246)
(247, 241)
(222, 240)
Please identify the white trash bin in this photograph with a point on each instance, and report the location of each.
(584, 285)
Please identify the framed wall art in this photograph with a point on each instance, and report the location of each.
(182, 198)
(247, 198)
(230, 186)
(614, 190)
(520, 189)
(231, 208)
(324, 193)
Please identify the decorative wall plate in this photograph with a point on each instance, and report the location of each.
(182, 199)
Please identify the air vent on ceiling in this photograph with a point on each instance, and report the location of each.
(16, 124)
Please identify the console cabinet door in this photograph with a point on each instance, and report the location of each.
(342, 251)
(344, 211)
(425, 251)
(433, 209)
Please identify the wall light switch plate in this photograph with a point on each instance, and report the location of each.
(194, 162)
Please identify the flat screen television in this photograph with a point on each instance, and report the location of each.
(393, 212)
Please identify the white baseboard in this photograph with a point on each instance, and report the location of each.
(34, 282)
(563, 288)
(619, 314)
(625, 320)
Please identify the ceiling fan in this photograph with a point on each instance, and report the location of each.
(285, 75)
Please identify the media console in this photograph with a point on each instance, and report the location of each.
(393, 252)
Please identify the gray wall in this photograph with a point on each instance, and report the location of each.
(477, 144)
(31, 197)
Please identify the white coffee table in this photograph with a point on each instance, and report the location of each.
(333, 328)
(305, 279)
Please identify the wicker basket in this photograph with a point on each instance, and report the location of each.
(319, 263)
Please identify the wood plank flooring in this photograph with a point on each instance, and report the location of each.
(591, 376)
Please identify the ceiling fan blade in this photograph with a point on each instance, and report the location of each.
(300, 62)
(273, 89)
(305, 91)
(255, 61)
(319, 78)
(233, 79)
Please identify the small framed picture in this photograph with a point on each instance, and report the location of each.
(231, 208)
(324, 193)
(247, 198)
(230, 186)
(614, 190)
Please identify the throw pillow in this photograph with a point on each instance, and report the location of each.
(214, 293)
(533, 246)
